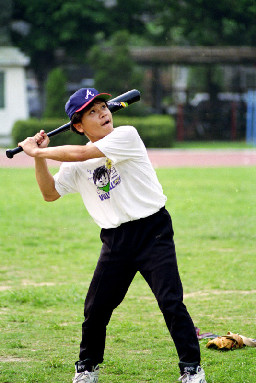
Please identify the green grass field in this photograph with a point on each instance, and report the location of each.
(48, 253)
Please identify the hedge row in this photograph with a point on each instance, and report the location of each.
(28, 128)
(157, 131)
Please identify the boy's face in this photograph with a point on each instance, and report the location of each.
(96, 122)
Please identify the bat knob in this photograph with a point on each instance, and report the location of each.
(9, 153)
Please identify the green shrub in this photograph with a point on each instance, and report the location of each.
(157, 131)
(28, 128)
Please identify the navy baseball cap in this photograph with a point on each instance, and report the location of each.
(81, 98)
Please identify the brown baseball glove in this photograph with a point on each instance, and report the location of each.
(230, 342)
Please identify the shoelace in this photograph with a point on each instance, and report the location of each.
(182, 377)
(186, 378)
(80, 376)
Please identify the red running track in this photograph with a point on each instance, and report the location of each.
(164, 158)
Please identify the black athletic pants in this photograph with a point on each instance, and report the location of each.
(145, 245)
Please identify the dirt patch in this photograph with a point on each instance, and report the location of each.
(3, 288)
(10, 359)
(38, 284)
(28, 283)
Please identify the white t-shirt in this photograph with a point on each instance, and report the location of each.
(118, 188)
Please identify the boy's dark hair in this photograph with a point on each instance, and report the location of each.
(77, 116)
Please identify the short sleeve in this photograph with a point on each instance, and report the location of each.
(122, 144)
(65, 179)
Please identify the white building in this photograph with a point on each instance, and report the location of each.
(13, 96)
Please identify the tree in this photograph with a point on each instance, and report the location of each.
(55, 29)
(69, 27)
(56, 93)
(127, 15)
(5, 17)
(114, 68)
(203, 22)
(53, 32)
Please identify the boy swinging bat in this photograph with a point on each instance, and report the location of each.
(121, 192)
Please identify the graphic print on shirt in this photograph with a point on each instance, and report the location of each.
(106, 178)
(101, 178)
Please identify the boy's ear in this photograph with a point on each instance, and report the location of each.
(78, 127)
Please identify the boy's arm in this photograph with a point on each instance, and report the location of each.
(45, 180)
(66, 153)
(37, 147)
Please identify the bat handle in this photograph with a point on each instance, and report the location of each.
(11, 152)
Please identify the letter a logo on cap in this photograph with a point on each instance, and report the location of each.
(88, 94)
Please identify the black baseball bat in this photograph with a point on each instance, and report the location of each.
(114, 105)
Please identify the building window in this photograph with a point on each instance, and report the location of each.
(1, 90)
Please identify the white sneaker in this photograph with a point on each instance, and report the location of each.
(199, 377)
(87, 377)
